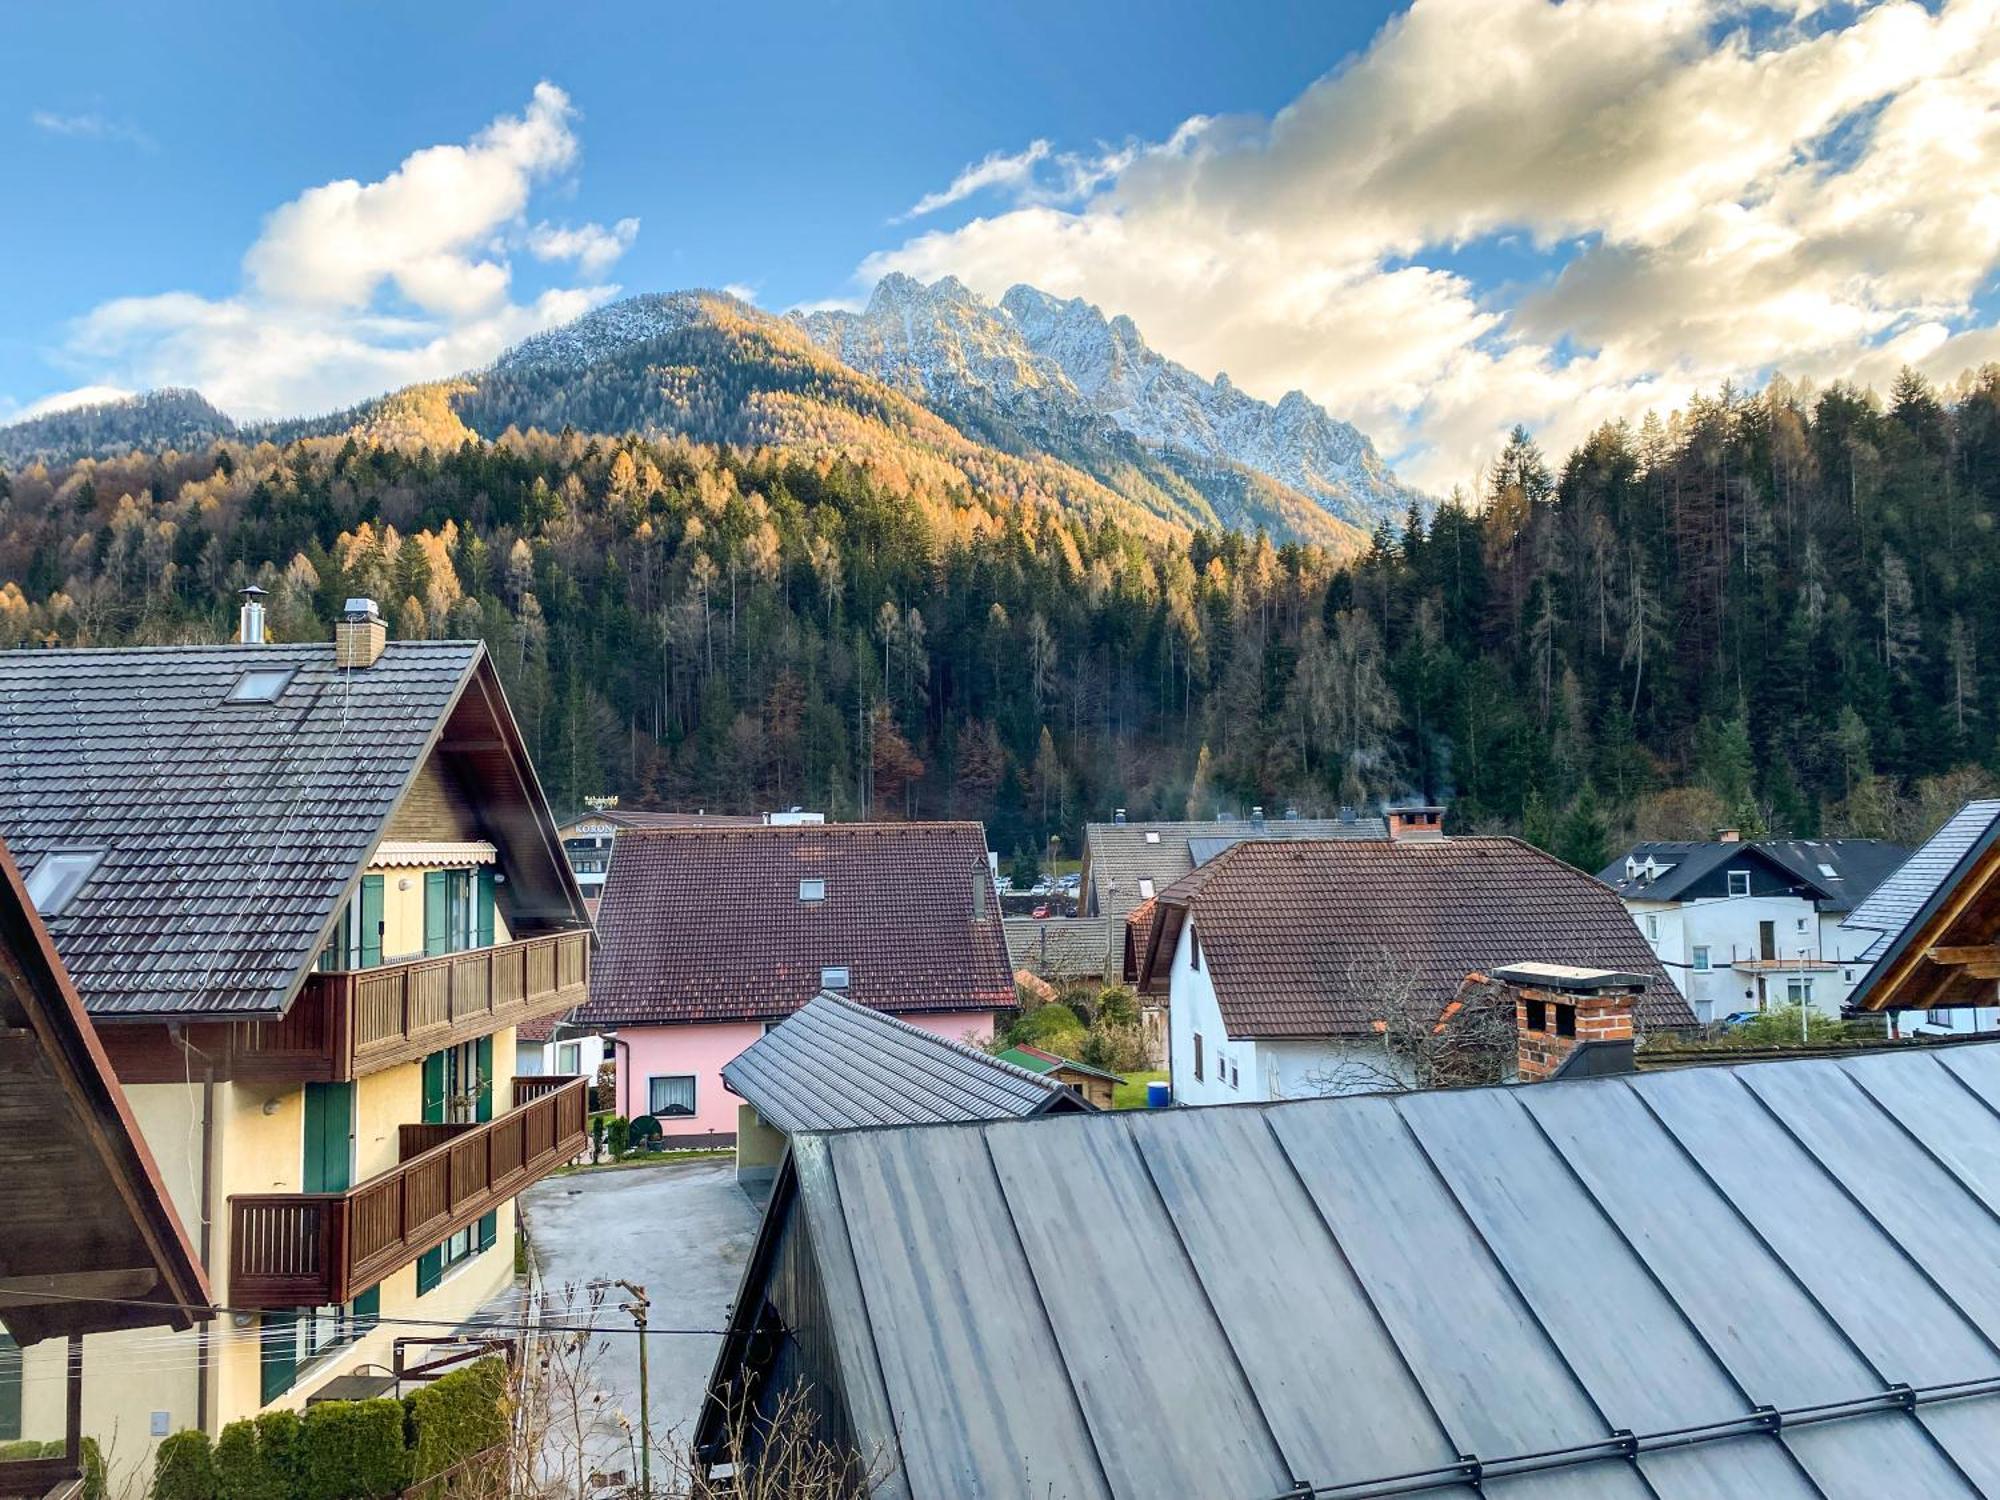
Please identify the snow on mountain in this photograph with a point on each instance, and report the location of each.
(1054, 357)
(606, 332)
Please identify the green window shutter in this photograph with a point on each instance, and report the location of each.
(278, 1344)
(437, 912)
(434, 1089)
(486, 906)
(485, 1110)
(371, 921)
(368, 1306)
(10, 1389)
(489, 1226)
(329, 1138)
(430, 1269)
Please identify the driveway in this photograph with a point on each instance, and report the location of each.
(681, 1231)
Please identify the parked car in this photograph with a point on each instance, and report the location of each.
(1041, 911)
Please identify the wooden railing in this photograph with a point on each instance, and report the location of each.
(314, 1249)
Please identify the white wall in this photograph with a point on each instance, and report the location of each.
(1728, 927)
(543, 1059)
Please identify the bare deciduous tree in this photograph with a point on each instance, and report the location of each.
(1417, 1045)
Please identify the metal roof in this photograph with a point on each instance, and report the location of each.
(834, 1064)
(1337, 1292)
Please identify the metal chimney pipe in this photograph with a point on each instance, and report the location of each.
(250, 619)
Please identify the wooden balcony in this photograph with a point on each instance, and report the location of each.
(315, 1249)
(353, 1021)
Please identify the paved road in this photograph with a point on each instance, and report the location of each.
(682, 1231)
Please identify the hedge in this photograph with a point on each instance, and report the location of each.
(256, 1458)
(457, 1417)
(184, 1468)
(352, 1450)
(93, 1460)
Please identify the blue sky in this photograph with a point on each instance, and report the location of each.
(1435, 223)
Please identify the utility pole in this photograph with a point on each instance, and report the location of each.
(637, 1308)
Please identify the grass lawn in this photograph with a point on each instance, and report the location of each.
(1131, 1094)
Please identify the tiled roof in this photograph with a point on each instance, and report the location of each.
(1858, 866)
(834, 1065)
(637, 817)
(1058, 947)
(707, 924)
(1122, 855)
(1900, 897)
(1299, 938)
(231, 831)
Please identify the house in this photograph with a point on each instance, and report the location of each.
(1931, 930)
(837, 1065)
(1125, 863)
(1062, 950)
(92, 1245)
(306, 893)
(1284, 962)
(554, 1045)
(589, 837)
(1743, 925)
(1771, 1280)
(710, 936)
(1096, 1085)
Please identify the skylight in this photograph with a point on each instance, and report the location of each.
(1829, 871)
(812, 890)
(261, 685)
(1146, 888)
(54, 882)
(833, 977)
(1152, 835)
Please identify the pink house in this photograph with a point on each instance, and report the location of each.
(710, 935)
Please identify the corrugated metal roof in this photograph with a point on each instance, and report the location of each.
(1900, 897)
(231, 830)
(1339, 1291)
(835, 1065)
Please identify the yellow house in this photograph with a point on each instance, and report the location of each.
(306, 893)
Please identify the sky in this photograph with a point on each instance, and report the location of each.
(1438, 219)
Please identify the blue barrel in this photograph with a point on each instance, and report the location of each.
(1159, 1093)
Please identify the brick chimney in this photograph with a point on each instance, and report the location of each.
(1409, 824)
(1571, 1022)
(359, 635)
(1729, 835)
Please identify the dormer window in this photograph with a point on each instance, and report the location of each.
(261, 685)
(834, 977)
(812, 890)
(58, 876)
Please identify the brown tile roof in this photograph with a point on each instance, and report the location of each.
(1138, 932)
(706, 924)
(1294, 935)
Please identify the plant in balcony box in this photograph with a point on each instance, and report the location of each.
(352, 1450)
(184, 1468)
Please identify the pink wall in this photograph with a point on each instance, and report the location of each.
(646, 1051)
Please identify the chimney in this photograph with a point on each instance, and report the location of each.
(1346, 813)
(1257, 817)
(1118, 816)
(250, 619)
(1414, 824)
(359, 635)
(1729, 835)
(1571, 1022)
(1291, 815)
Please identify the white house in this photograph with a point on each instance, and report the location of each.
(1281, 959)
(556, 1048)
(1744, 925)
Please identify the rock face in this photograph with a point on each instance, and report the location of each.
(1054, 363)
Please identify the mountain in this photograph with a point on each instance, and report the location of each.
(1062, 373)
(167, 418)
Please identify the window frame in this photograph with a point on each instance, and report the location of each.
(840, 986)
(57, 891)
(277, 679)
(1739, 882)
(1700, 961)
(1197, 1057)
(812, 889)
(693, 1110)
(573, 1051)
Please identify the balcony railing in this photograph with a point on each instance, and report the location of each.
(316, 1249)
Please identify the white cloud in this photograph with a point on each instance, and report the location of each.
(354, 288)
(741, 291)
(998, 169)
(1712, 190)
(91, 126)
(83, 395)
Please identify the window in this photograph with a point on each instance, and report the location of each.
(1945, 1019)
(58, 876)
(1801, 924)
(1798, 991)
(10, 1389)
(1146, 889)
(1152, 836)
(1235, 1078)
(261, 685)
(834, 977)
(1652, 927)
(1194, 950)
(1739, 882)
(671, 1097)
(1197, 1055)
(569, 1058)
(812, 890)
(1701, 964)
(1829, 871)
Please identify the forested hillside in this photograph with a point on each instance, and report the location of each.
(1780, 610)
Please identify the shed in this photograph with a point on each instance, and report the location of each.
(1095, 1084)
(1770, 1280)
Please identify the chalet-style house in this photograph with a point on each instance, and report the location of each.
(307, 893)
(1772, 1280)
(1933, 932)
(589, 838)
(837, 1065)
(711, 935)
(92, 1243)
(1744, 925)
(1286, 962)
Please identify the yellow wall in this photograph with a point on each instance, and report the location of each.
(403, 913)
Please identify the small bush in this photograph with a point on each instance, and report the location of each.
(1116, 1007)
(1782, 1024)
(248, 1466)
(278, 1442)
(184, 1468)
(352, 1450)
(618, 1136)
(457, 1417)
(93, 1470)
(25, 1448)
(1053, 1027)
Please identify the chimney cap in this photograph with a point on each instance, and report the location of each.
(1568, 978)
(251, 592)
(363, 609)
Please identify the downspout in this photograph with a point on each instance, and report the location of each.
(206, 1231)
(624, 1073)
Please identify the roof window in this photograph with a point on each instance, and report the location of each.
(1152, 835)
(812, 890)
(58, 876)
(834, 977)
(1146, 889)
(1828, 871)
(261, 685)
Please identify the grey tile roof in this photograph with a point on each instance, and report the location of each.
(1058, 947)
(1122, 854)
(1339, 1291)
(833, 1065)
(1858, 866)
(1903, 894)
(230, 830)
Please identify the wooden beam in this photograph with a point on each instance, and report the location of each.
(39, 1291)
(1964, 954)
(19, 1049)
